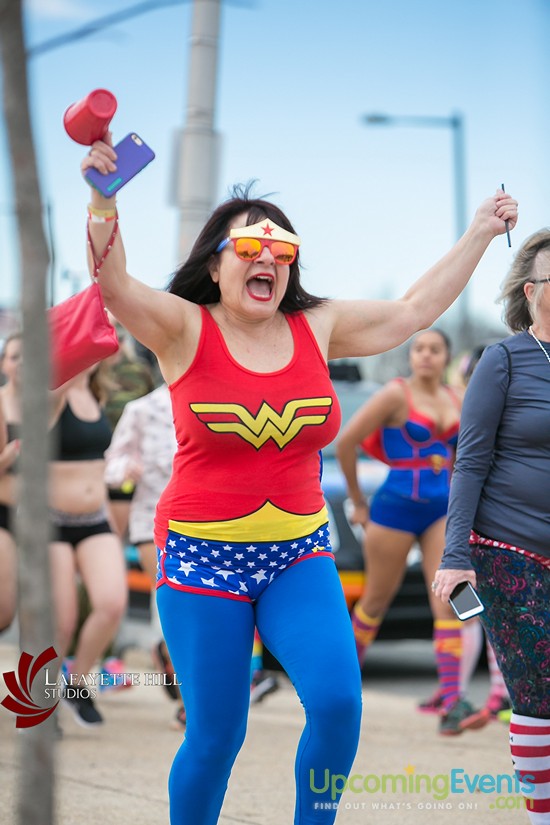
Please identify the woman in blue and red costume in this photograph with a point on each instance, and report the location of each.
(242, 526)
(412, 425)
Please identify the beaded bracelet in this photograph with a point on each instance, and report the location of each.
(101, 215)
(98, 263)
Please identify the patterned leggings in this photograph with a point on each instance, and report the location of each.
(515, 590)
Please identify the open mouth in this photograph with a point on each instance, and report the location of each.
(260, 287)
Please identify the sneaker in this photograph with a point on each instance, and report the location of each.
(505, 716)
(180, 719)
(496, 704)
(83, 708)
(261, 686)
(462, 716)
(432, 705)
(113, 675)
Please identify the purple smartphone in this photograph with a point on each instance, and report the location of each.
(133, 155)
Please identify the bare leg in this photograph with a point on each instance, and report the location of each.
(64, 594)
(103, 572)
(385, 553)
(8, 579)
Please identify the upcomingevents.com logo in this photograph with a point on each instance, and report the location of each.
(19, 684)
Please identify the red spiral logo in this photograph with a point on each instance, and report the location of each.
(19, 700)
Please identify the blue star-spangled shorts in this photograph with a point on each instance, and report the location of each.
(236, 570)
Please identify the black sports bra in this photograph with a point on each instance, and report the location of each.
(77, 440)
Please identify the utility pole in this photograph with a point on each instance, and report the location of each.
(36, 776)
(197, 145)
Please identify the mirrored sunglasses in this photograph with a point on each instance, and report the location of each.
(248, 249)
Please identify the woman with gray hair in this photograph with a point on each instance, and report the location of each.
(498, 527)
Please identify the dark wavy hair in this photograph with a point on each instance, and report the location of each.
(193, 281)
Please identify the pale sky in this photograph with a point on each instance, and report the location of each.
(374, 206)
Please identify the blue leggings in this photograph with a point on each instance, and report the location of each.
(303, 619)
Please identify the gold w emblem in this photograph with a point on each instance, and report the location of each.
(267, 423)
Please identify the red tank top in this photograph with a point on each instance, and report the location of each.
(248, 441)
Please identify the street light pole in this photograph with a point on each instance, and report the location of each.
(455, 123)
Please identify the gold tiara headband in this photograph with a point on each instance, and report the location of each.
(265, 229)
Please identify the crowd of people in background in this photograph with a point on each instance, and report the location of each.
(127, 411)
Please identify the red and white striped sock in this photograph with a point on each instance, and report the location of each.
(530, 749)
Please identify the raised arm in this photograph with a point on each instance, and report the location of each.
(358, 328)
(161, 321)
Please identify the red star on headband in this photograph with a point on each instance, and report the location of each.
(268, 230)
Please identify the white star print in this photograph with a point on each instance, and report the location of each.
(171, 543)
(251, 548)
(210, 582)
(193, 548)
(239, 556)
(186, 567)
(274, 547)
(259, 576)
(225, 574)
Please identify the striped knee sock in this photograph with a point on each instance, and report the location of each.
(530, 748)
(365, 629)
(447, 637)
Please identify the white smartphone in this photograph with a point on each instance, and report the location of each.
(465, 601)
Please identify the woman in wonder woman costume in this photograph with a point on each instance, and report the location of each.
(242, 525)
(412, 425)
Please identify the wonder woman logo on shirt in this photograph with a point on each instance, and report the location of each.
(236, 419)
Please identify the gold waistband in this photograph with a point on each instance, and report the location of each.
(269, 523)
